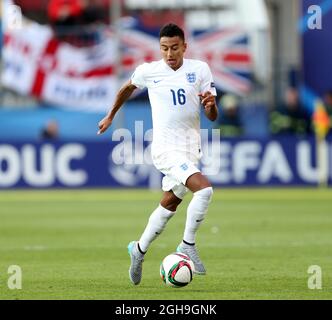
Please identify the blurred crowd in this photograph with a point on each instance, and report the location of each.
(288, 117)
(75, 14)
(84, 18)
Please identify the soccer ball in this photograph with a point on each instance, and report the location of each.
(177, 270)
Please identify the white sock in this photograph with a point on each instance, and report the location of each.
(155, 226)
(196, 212)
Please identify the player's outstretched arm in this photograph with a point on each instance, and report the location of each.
(210, 106)
(122, 96)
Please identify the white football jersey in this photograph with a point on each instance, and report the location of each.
(175, 103)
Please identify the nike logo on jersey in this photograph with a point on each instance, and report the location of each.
(156, 81)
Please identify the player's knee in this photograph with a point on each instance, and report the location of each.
(205, 193)
(172, 206)
(170, 202)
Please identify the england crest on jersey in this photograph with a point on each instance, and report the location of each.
(191, 77)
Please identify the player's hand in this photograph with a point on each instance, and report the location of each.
(207, 99)
(103, 125)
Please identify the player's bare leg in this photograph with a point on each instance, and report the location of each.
(197, 209)
(197, 182)
(170, 201)
(157, 223)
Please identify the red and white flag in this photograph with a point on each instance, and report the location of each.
(35, 63)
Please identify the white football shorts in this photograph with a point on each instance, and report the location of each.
(177, 168)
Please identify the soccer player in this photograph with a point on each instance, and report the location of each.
(177, 88)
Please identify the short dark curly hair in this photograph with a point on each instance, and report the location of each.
(171, 30)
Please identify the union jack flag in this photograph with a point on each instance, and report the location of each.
(226, 51)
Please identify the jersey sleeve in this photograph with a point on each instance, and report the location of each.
(207, 83)
(138, 77)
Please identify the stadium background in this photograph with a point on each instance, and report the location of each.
(60, 69)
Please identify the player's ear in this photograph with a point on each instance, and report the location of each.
(184, 46)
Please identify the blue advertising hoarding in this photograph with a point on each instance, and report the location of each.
(315, 27)
(317, 45)
(287, 161)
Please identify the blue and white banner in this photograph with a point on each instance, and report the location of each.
(232, 162)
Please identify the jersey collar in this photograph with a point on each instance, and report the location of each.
(170, 69)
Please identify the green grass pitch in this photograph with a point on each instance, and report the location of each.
(256, 244)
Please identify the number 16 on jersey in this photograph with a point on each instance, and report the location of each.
(178, 97)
